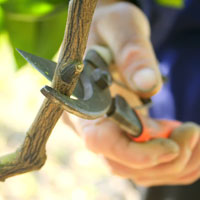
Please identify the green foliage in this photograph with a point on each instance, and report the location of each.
(36, 26)
(3, 1)
(31, 6)
(1, 19)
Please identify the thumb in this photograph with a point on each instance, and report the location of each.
(125, 30)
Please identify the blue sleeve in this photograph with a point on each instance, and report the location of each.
(180, 97)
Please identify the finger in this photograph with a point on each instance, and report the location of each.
(126, 172)
(104, 137)
(125, 30)
(193, 165)
(119, 169)
(168, 180)
(186, 137)
(190, 177)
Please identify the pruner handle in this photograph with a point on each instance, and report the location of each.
(152, 129)
(137, 127)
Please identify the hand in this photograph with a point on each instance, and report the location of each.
(125, 30)
(157, 162)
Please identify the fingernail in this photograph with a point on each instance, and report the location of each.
(145, 79)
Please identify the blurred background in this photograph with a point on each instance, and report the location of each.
(71, 171)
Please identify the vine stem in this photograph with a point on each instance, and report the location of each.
(31, 155)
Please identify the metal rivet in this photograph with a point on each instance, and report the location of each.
(102, 78)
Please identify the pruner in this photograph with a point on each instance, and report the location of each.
(92, 99)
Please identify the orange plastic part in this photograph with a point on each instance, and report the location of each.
(152, 128)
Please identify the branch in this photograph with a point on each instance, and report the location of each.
(32, 154)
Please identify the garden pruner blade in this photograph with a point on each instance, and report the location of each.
(44, 66)
(99, 102)
(91, 101)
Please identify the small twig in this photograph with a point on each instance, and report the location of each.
(32, 154)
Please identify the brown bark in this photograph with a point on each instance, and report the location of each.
(32, 154)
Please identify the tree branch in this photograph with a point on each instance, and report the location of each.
(32, 154)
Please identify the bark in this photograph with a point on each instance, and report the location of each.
(32, 153)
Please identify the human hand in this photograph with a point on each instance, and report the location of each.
(156, 162)
(124, 29)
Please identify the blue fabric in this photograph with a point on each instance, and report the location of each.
(176, 40)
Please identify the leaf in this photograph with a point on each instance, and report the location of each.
(41, 8)
(1, 19)
(38, 35)
(3, 1)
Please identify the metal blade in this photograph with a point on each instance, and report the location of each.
(44, 66)
(47, 68)
(92, 102)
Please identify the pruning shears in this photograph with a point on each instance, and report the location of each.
(91, 98)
